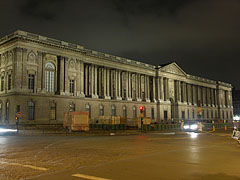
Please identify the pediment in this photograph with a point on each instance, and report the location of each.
(173, 68)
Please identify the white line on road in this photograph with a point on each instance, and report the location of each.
(89, 177)
(27, 166)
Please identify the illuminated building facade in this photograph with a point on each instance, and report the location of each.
(43, 77)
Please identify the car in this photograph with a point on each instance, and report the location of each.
(191, 126)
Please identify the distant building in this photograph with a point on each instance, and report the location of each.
(236, 102)
(43, 77)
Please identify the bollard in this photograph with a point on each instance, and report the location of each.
(213, 128)
(225, 128)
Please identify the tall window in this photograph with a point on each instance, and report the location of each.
(71, 86)
(165, 115)
(31, 110)
(9, 82)
(49, 77)
(113, 110)
(193, 114)
(101, 110)
(88, 109)
(2, 83)
(1, 111)
(53, 111)
(183, 114)
(31, 81)
(134, 112)
(7, 110)
(152, 113)
(144, 111)
(72, 107)
(124, 111)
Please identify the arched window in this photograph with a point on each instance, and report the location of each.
(53, 111)
(134, 112)
(31, 110)
(101, 110)
(72, 107)
(49, 77)
(125, 111)
(88, 109)
(113, 110)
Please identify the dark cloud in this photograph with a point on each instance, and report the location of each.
(157, 7)
(41, 9)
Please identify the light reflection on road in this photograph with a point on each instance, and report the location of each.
(193, 135)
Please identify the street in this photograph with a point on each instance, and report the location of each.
(132, 157)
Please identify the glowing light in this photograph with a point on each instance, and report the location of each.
(140, 107)
(186, 127)
(193, 135)
(237, 118)
(194, 126)
(7, 130)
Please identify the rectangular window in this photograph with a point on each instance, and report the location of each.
(31, 81)
(183, 114)
(165, 115)
(223, 115)
(2, 83)
(152, 113)
(53, 113)
(71, 86)
(193, 114)
(9, 82)
(134, 113)
(31, 110)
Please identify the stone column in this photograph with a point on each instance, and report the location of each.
(154, 89)
(148, 89)
(130, 86)
(62, 88)
(81, 79)
(158, 91)
(86, 80)
(136, 86)
(77, 78)
(161, 88)
(119, 97)
(91, 80)
(139, 88)
(66, 77)
(108, 83)
(95, 81)
(127, 84)
(194, 95)
(104, 82)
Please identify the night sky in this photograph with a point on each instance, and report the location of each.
(202, 36)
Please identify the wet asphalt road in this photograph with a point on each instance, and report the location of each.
(135, 157)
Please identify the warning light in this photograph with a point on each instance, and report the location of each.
(141, 108)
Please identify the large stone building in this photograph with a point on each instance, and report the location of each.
(43, 77)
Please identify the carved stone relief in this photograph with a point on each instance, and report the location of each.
(31, 57)
(172, 69)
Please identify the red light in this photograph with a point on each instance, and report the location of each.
(140, 107)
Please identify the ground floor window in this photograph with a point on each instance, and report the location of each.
(113, 110)
(1, 111)
(31, 110)
(88, 109)
(134, 112)
(152, 113)
(124, 111)
(101, 110)
(72, 107)
(165, 115)
(144, 111)
(183, 114)
(193, 113)
(53, 111)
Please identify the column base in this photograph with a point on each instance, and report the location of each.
(147, 100)
(80, 94)
(94, 96)
(139, 100)
(154, 100)
(119, 98)
(129, 99)
(107, 97)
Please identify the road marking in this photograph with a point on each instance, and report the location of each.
(89, 177)
(27, 166)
